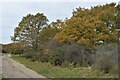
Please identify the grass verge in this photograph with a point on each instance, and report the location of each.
(50, 71)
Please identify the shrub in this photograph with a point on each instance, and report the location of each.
(79, 54)
(106, 58)
(31, 54)
(74, 53)
(28, 55)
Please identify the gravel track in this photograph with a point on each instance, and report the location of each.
(13, 69)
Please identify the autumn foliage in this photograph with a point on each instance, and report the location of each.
(73, 40)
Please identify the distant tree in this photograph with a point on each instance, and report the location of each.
(13, 48)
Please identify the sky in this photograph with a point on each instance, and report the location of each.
(11, 12)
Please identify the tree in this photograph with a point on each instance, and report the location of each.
(90, 26)
(13, 48)
(28, 30)
(58, 23)
(118, 16)
(48, 33)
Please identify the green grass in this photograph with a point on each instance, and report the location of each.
(50, 71)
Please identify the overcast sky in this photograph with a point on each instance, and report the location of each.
(12, 13)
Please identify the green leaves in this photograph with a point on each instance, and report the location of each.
(29, 28)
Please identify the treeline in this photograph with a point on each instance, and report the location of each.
(88, 38)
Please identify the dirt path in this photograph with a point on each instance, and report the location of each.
(13, 69)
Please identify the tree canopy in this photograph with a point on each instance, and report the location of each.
(29, 29)
(90, 26)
